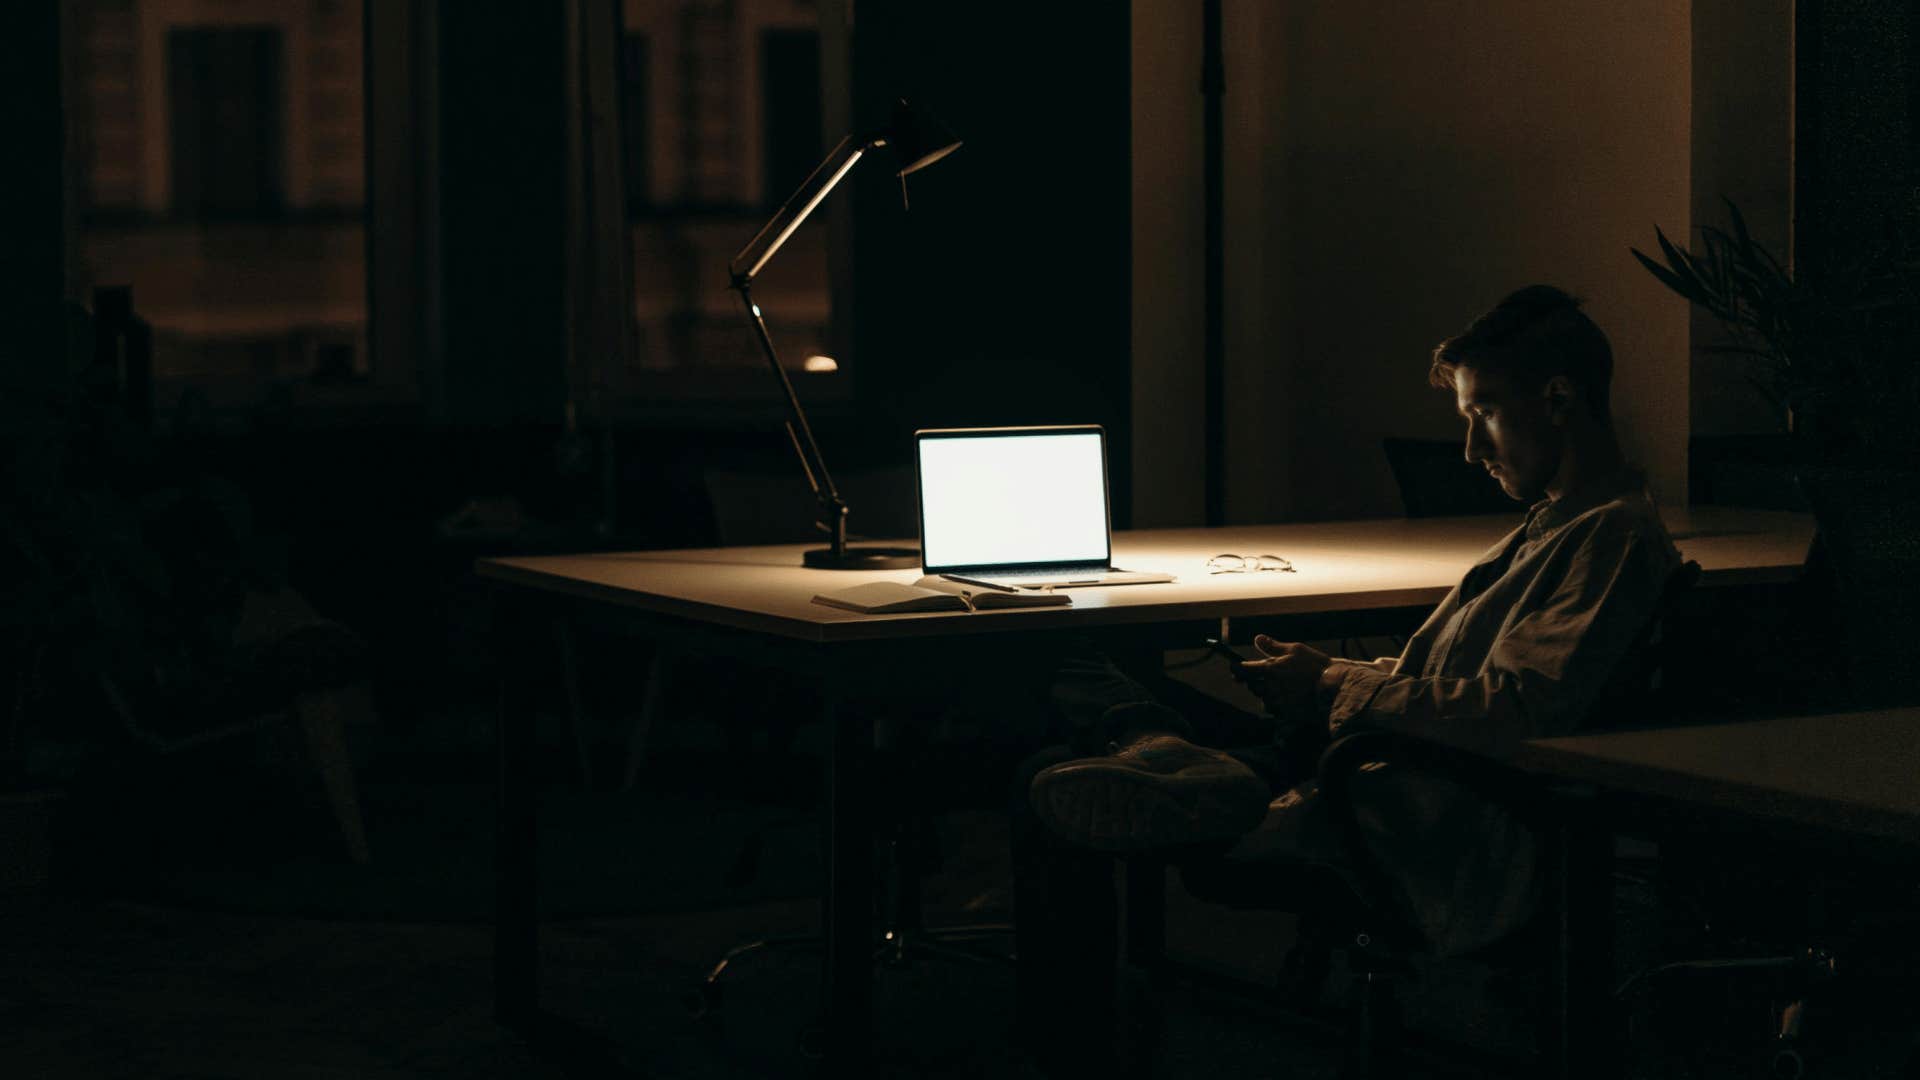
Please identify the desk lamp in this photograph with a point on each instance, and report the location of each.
(915, 141)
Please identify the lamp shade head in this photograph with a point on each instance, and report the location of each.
(917, 138)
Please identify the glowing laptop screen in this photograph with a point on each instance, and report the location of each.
(1020, 498)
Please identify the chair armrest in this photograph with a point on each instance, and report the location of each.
(1348, 754)
(1489, 777)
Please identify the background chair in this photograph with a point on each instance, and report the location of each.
(289, 668)
(1436, 480)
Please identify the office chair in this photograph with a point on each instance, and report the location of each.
(902, 937)
(301, 675)
(1351, 908)
(1436, 480)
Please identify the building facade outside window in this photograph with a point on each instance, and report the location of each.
(721, 104)
(221, 176)
(221, 173)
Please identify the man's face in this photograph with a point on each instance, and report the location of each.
(1510, 432)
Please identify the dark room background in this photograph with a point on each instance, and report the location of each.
(363, 304)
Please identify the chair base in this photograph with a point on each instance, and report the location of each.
(1365, 1027)
(1373, 1040)
(892, 948)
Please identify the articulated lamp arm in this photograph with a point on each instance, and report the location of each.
(831, 513)
(919, 142)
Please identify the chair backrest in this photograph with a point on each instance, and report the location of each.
(1870, 532)
(1641, 692)
(1436, 481)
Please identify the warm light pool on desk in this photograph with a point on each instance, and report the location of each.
(1212, 566)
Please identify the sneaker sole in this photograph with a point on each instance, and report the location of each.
(1124, 810)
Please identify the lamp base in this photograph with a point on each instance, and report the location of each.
(863, 558)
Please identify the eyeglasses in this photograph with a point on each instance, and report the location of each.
(1247, 564)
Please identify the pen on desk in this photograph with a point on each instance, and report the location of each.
(982, 584)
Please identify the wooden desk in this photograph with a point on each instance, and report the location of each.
(1339, 566)
(759, 598)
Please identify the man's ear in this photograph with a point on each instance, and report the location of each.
(1559, 394)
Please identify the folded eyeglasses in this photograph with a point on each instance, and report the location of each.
(1247, 564)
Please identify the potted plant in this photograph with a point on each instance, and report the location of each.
(1838, 354)
(1835, 354)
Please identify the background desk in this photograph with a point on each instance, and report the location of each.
(1812, 792)
(1853, 778)
(760, 599)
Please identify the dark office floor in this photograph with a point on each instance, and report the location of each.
(141, 991)
(218, 960)
(138, 988)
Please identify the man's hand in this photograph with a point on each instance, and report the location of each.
(1286, 676)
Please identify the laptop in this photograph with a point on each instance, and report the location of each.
(1018, 507)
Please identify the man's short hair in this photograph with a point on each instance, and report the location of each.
(1531, 336)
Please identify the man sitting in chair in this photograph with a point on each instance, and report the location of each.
(1525, 646)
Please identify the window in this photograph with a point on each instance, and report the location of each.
(225, 143)
(634, 125)
(222, 176)
(722, 121)
(790, 104)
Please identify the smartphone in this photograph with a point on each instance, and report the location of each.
(1234, 656)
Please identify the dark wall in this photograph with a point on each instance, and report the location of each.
(1855, 159)
(1743, 53)
(1001, 297)
(32, 211)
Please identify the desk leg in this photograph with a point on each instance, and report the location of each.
(847, 908)
(1145, 893)
(515, 931)
(1583, 1037)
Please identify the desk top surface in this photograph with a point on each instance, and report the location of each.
(1854, 772)
(1339, 566)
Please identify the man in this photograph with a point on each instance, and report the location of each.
(1525, 646)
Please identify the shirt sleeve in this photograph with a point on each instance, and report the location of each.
(1546, 668)
(1382, 664)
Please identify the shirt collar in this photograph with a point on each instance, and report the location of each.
(1549, 514)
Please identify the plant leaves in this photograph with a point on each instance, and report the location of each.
(1696, 270)
(1744, 239)
(1667, 277)
(1683, 269)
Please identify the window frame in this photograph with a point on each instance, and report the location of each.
(742, 393)
(310, 190)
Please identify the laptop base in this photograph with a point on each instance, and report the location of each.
(1078, 581)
